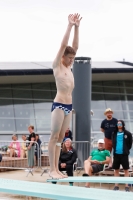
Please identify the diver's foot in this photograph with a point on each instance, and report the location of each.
(55, 175)
(63, 175)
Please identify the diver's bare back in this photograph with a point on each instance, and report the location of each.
(64, 83)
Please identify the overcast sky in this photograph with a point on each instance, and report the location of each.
(32, 30)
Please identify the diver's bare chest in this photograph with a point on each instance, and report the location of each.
(67, 76)
(64, 74)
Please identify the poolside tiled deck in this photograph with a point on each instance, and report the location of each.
(21, 175)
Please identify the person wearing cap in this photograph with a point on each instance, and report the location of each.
(122, 143)
(108, 125)
(67, 157)
(96, 160)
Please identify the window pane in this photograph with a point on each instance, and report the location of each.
(130, 97)
(111, 83)
(97, 83)
(53, 86)
(42, 95)
(42, 114)
(6, 103)
(44, 138)
(127, 124)
(97, 89)
(96, 96)
(122, 97)
(111, 90)
(128, 115)
(6, 112)
(5, 93)
(5, 137)
(122, 90)
(114, 105)
(22, 124)
(41, 86)
(23, 103)
(27, 94)
(118, 114)
(22, 86)
(131, 128)
(24, 113)
(53, 94)
(128, 83)
(43, 125)
(112, 97)
(42, 104)
(127, 105)
(5, 86)
(98, 114)
(130, 106)
(131, 115)
(7, 125)
(129, 91)
(96, 124)
(43, 119)
(98, 105)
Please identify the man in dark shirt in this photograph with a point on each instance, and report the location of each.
(108, 125)
(31, 146)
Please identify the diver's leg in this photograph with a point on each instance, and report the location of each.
(57, 119)
(65, 126)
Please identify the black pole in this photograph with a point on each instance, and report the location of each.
(82, 101)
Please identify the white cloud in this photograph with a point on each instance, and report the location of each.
(31, 30)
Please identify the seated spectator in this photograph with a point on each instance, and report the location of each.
(67, 157)
(14, 148)
(24, 147)
(68, 134)
(37, 147)
(96, 161)
(122, 143)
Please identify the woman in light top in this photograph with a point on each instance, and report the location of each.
(14, 148)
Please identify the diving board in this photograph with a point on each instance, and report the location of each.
(60, 192)
(94, 179)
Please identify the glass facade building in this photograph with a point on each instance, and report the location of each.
(25, 104)
(117, 95)
(22, 105)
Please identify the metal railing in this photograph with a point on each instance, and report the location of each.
(44, 159)
(83, 149)
(13, 157)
